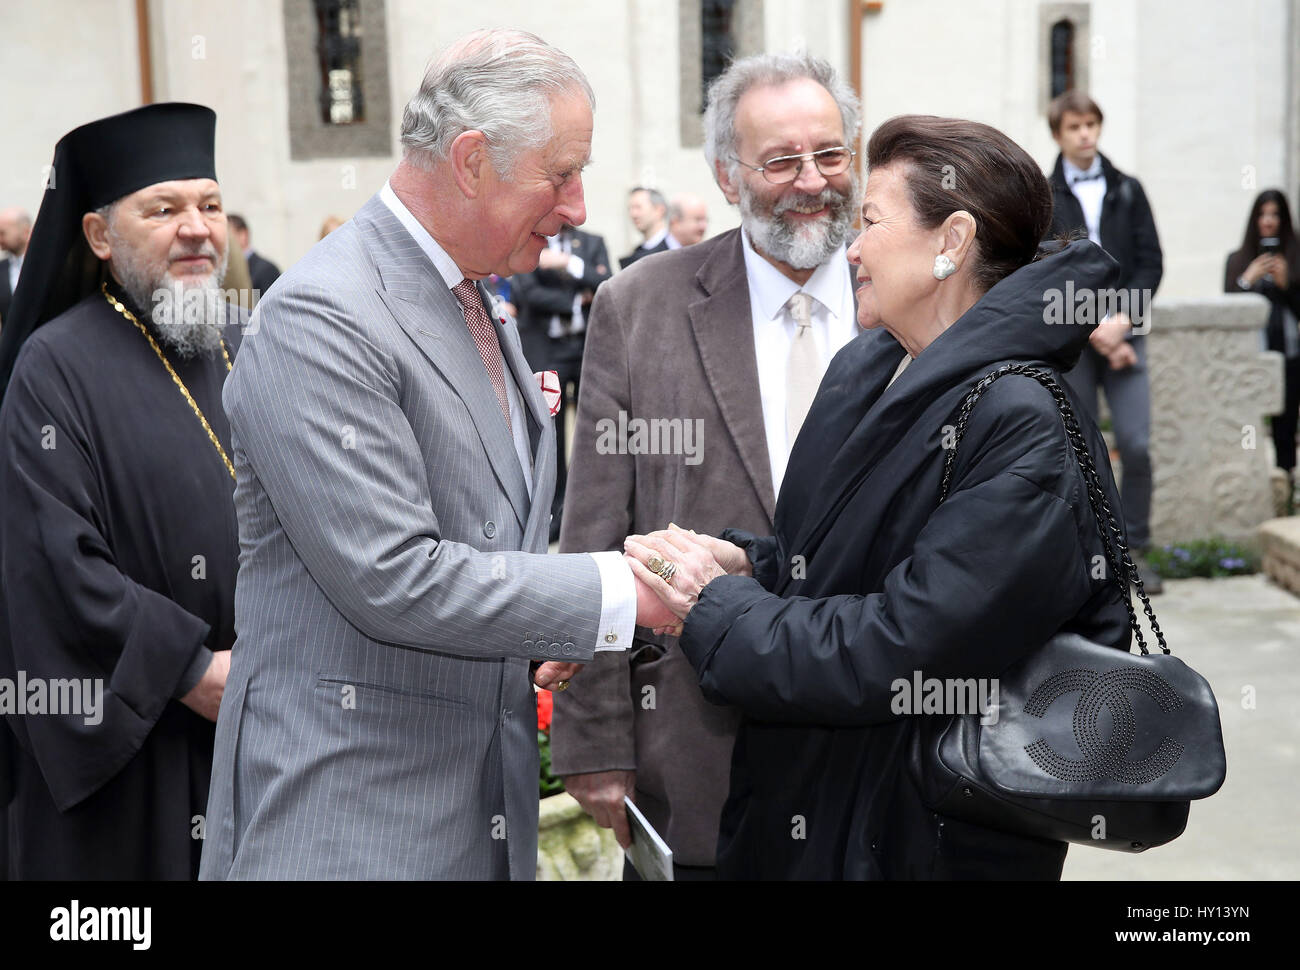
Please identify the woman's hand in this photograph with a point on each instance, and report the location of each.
(1259, 267)
(696, 568)
(728, 555)
(1279, 271)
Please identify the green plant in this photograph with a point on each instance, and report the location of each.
(548, 784)
(1202, 557)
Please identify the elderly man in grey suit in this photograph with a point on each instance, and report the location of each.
(730, 336)
(395, 462)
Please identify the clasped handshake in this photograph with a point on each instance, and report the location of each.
(671, 567)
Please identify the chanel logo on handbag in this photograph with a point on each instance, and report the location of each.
(1104, 757)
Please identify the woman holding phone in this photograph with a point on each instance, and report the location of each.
(1268, 263)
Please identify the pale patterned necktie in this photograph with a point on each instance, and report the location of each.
(485, 339)
(803, 368)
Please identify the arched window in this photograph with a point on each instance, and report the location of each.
(1062, 71)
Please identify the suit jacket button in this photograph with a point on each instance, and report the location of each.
(489, 528)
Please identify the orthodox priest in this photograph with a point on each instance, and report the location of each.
(118, 539)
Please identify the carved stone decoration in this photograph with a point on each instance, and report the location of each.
(571, 846)
(1212, 386)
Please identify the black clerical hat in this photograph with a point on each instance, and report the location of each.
(94, 165)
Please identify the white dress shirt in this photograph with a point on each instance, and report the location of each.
(617, 583)
(15, 267)
(1089, 192)
(834, 324)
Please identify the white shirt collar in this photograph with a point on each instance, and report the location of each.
(443, 263)
(655, 240)
(771, 289)
(1070, 170)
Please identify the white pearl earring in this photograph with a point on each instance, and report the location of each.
(943, 267)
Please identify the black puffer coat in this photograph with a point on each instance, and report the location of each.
(893, 582)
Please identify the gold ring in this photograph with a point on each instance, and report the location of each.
(654, 563)
(561, 685)
(667, 573)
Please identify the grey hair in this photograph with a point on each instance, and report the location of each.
(498, 81)
(766, 70)
(656, 197)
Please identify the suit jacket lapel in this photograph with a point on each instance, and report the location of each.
(541, 426)
(419, 300)
(724, 333)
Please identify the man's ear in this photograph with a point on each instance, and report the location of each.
(725, 183)
(958, 235)
(469, 162)
(95, 228)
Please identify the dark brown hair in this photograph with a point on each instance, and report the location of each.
(952, 164)
(1239, 260)
(1075, 101)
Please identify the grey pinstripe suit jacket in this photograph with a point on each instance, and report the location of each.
(379, 720)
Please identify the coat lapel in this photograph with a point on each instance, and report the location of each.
(541, 425)
(724, 333)
(426, 309)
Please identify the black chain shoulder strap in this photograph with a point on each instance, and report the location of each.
(1112, 538)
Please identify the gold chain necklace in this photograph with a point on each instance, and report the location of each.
(194, 405)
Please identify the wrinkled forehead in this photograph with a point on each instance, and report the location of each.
(791, 116)
(176, 192)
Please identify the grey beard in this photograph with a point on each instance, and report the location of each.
(190, 321)
(776, 238)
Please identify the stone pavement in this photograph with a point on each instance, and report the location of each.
(1238, 633)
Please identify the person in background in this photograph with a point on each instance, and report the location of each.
(261, 270)
(329, 225)
(1090, 195)
(15, 230)
(688, 218)
(648, 210)
(1268, 263)
(553, 301)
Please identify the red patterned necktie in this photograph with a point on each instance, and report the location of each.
(485, 339)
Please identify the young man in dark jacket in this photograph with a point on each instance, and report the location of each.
(1091, 195)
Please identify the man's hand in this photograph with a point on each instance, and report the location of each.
(553, 671)
(553, 259)
(600, 793)
(204, 698)
(651, 611)
(1122, 356)
(1111, 333)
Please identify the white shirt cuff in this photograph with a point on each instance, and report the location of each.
(617, 601)
(576, 266)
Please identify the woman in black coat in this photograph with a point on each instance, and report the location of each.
(869, 578)
(1268, 263)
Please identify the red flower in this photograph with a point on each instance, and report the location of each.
(544, 704)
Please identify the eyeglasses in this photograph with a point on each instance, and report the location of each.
(786, 168)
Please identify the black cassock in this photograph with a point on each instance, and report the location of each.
(120, 549)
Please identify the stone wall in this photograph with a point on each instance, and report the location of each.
(570, 846)
(1212, 385)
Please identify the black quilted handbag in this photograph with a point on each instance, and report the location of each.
(1119, 766)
